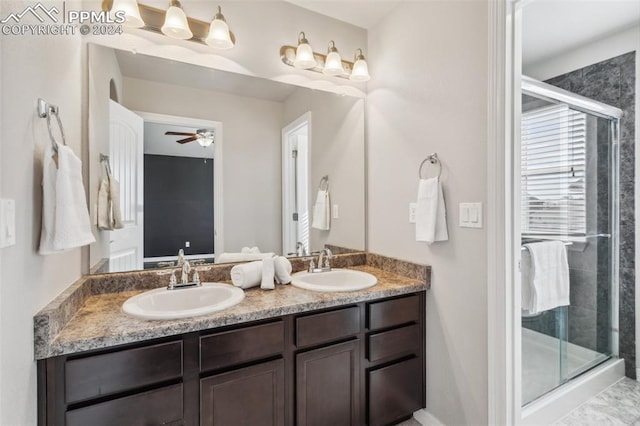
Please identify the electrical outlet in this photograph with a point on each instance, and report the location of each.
(412, 212)
(187, 244)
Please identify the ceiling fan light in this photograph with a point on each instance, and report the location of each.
(219, 34)
(205, 141)
(304, 54)
(175, 22)
(131, 12)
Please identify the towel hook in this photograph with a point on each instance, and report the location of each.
(432, 159)
(46, 110)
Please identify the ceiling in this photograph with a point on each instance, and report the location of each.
(182, 74)
(552, 27)
(361, 13)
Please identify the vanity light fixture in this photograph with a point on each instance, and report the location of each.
(360, 71)
(333, 63)
(303, 57)
(131, 12)
(175, 22)
(219, 34)
(304, 54)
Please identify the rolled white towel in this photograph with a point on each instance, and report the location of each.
(247, 275)
(283, 270)
(268, 274)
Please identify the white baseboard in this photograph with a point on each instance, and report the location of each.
(425, 418)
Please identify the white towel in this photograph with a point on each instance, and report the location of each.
(109, 215)
(431, 213)
(65, 217)
(545, 276)
(322, 211)
(283, 270)
(268, 274)
(247, 275)
(241, 257)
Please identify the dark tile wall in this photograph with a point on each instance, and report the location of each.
(612, 82)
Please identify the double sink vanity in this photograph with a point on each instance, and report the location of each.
(289, 356)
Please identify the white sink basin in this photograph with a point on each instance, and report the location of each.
(163, 304)
(334, 280)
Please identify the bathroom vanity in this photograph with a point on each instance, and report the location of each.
(284, 357)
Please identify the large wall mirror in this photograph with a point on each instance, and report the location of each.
(224, 166)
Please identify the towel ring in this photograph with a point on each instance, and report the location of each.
(432, 159)
(324, 183)
(46, 110)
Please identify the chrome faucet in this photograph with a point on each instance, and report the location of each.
(323, 261)
(184, 279)
(300, 249)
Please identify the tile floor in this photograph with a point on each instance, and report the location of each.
(410, 422)
(617, 405)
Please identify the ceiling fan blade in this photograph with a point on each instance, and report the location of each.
(191, 139)
(180, 134)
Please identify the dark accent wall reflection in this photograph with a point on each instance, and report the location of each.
(611, 82)
(178, 205)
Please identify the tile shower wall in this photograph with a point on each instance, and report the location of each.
(612, 82)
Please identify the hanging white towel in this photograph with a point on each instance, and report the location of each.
(322, 211)
(65, 218)
(431, 213)
(109, 215)
(247, 275)
(283, 270)
(268, 274)
(545, 276)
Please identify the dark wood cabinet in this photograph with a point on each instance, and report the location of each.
(359, 364)
(249, 396)
(327, 385)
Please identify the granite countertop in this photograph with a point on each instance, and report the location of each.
(99, 322)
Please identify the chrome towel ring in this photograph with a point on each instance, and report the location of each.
(432, 159)
(46, 110)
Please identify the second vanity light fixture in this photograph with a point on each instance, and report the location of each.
(174, 22)
(303, 57)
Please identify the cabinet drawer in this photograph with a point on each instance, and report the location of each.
(327, 326)
(394, 312)
(158, 407)
(242, 345)
(401, 341)
(395, 391)
(106, 374)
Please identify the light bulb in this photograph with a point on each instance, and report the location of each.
(360, 71)
(304, 54)
(333, 63)
(175, 22)
(219, 34)
(131, 12)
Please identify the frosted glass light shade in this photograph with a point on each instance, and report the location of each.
(304, 57)
(205, 142)
(333, 64)
(176, 25)
(132, 13)
(360, 71)
(219, 35)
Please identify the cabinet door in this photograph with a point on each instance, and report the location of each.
(327, 385)
(248, 396)
(395, 391)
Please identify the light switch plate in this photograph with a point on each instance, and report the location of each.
(336, 212)
(7, 223)
(412, 212)
(471, 215)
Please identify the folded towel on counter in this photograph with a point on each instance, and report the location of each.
(241, 257)
(253, 250)
(283, 270)
(322, 211)
(545, 276)
(109, 215)
(247, 275)
(65, 217)
(268, 274)
(431, 214)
